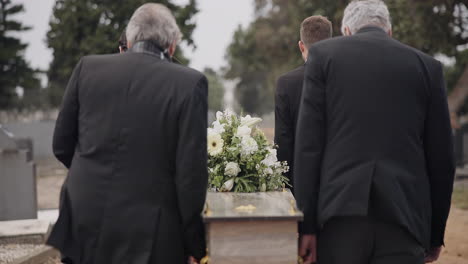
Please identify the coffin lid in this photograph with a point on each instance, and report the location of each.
(251, 206)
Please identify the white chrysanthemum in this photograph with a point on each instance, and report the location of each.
(250, 121)
(215, 143)
(232, 169)
(227, 186)
(243, 131)
(248, 145)
(271, 158)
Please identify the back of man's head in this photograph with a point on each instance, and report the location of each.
(362, 13)
(155, 23)
(314, 29)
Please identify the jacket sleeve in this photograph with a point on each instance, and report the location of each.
(438, 144)
(66, 128)
(284, 131)
(310, 142)
(191, 167)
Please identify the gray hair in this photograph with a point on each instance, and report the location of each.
(155, 23)
(361, 13)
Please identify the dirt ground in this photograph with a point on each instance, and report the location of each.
(51, 176)
(456, 238)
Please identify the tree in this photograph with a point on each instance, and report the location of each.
(83, 27)
(264, 50)
(446, 32)
(15, 71)
(215, 90)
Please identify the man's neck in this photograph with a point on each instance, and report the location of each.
(150, 48)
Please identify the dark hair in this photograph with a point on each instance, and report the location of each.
(123, 41)
(314, 29)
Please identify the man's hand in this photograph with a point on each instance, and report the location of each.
(308, 248)
(433, 254)
(192, 260)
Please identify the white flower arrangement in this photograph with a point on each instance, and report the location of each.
(240, 157)
(215, 143)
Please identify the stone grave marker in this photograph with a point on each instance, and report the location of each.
(17, 180)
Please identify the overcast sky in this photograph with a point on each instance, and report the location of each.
(216, 22)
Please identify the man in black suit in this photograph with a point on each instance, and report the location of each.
(289, 88)
(132, 131)
(374, 161)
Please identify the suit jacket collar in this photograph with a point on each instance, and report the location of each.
(371, 29)
(149, 47)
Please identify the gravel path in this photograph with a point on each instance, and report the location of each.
(11, 252)
(53, 261)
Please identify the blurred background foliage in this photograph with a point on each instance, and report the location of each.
(15, 71)
(215, 90)
(257, 55)
(83, 27)
(267, 48)
(77, 28)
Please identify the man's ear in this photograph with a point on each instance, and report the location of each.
(172, 48)
(347, 31)
(304, 50)
(129, 44)
(301, 46)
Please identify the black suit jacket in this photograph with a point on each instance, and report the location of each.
(374, 133)
(132, 131)
(287, 100)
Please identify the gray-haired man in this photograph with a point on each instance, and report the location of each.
(132, 131)
(374, 157)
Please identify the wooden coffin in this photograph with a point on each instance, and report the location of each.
(252, 228)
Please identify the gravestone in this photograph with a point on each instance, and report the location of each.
(252, 228)
(17, 180)
(40, 132)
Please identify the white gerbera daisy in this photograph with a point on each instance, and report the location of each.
(215, 143)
